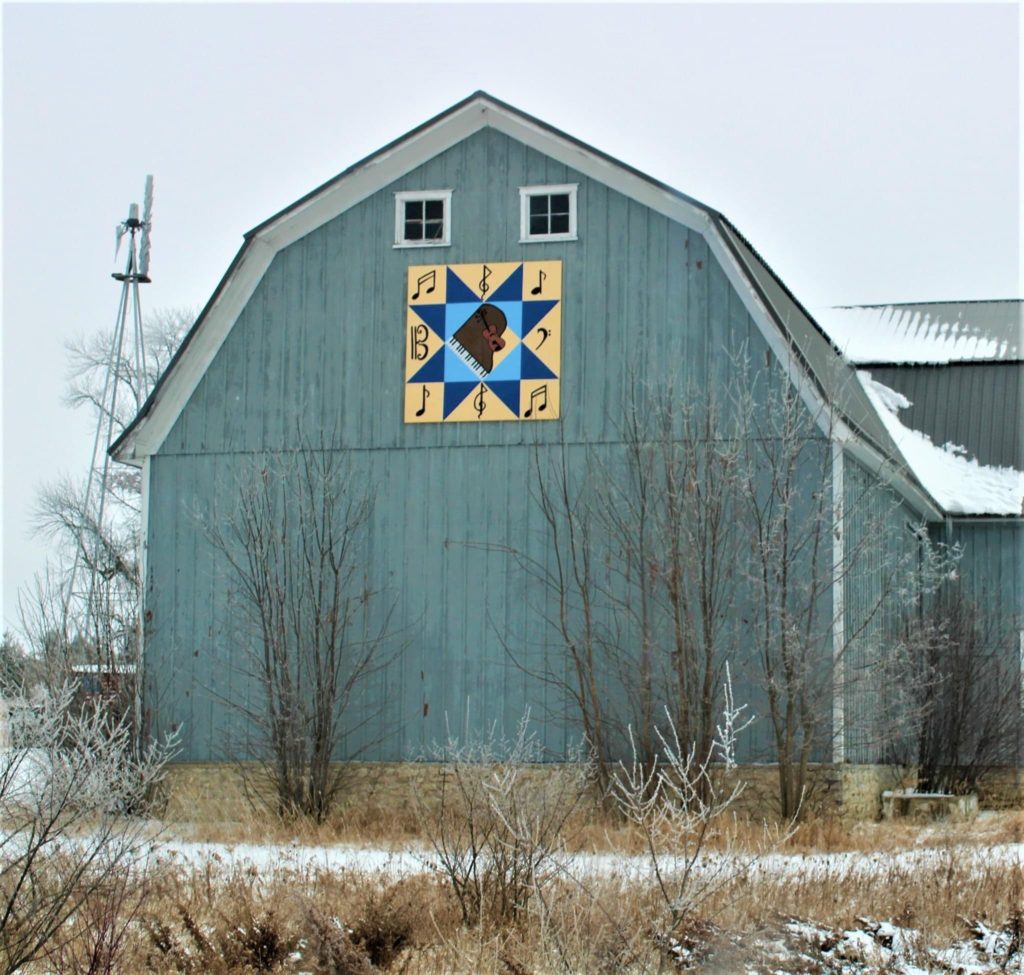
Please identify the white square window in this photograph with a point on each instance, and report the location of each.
(547, 212)
(423, 218)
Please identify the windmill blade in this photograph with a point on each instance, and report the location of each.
(147, 223)
(119, 232)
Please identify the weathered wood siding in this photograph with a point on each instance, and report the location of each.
(319, 347)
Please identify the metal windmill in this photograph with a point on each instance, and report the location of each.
(125, 376)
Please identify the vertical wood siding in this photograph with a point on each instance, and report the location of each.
(319, 348)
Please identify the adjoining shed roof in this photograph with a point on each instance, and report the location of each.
(948, 381)
(976, 405)
(961, 484)
(927, 332)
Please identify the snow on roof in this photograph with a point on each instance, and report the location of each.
(927, 332)
(958, 482)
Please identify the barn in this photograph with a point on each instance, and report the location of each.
(477, 329)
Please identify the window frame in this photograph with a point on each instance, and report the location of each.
(526, 193)
(425, 196)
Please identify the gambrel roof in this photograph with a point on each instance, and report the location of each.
(813, 362)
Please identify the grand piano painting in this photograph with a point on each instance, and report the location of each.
(483, 342)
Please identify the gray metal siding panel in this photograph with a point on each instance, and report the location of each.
(878, 539)
(980, 407)
(992, 566)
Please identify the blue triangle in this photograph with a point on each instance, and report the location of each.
(433, 315)
(455, 393)
(508, 369)
(457, 290)
(533, 368)
(512, 287)
(433, 370)
(455, 370)
(533, 312)
(508, 393)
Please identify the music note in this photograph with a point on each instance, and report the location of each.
(478, 401)
(430, 276)
(544, 337)
(483, 285)
(541, 278)
(423, 408)
(540, 391)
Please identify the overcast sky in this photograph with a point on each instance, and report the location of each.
(870, 152)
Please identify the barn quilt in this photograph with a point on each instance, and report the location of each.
(483, 342)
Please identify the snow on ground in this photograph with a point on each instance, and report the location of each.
(785, 947)
(399, 863)
(959, 483)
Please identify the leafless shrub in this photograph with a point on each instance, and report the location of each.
(960, 693)
(95, 937)
(389, 921)
(676, 803)
(333, 948)
(68, 785)
(313, 630)
(498, 824)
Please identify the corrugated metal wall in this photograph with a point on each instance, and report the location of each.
(980, 407)
(992, 565)
(881, 549)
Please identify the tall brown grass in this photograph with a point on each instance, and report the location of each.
(222, 918)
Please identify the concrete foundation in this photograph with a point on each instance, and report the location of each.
(224, 793)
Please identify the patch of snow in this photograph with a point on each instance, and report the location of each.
(959, 483)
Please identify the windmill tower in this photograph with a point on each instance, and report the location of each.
(108, 612)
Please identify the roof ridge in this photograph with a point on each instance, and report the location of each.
(945, 301)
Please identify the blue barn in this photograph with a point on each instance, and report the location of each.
(485, 310)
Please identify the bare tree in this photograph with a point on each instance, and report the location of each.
(84, 610)
(643, 560)
(71, 782)
(711, 533)
(312, 628)
(812, 537)
(956, 693)
(68, 514)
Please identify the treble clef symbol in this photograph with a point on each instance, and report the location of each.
(484, 286)
(478, 401)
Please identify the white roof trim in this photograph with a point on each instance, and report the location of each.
(181, 382)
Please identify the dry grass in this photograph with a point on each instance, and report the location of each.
(592, 829)
(223, 919)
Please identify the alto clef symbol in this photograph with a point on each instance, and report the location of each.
(418, 342)
(478, 401)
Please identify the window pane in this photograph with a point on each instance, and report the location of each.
(413, 230)
(560, 223)
(538, 225)
(414, 210)
(435, 209)
(434, 230)
(538, 205)
(560, 203)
